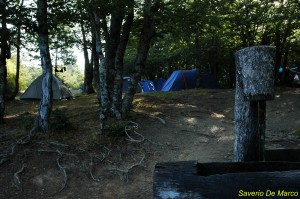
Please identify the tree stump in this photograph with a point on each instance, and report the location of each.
(254, 85)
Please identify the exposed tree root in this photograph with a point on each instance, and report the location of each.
(125, 172)
(65, 175)
(159, 119)
(53, 143)
(10, 151)
(104, 156)
(56, 151)
(91, 172)
(17, 181)
(132, 127)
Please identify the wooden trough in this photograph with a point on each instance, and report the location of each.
(226, 180)
(285, 155)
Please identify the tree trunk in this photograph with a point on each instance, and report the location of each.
(114, 40)
(95, 61)
(102, 68)
(197, 60)
(88, 68)
(118, 83)
(280, 43)
(17, 78)
(282, 78)
(143, 48)
(3, 56)
(46, 100)
(197, 52)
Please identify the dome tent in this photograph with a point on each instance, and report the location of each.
(187, 79)
(34, 91)
(181, 79)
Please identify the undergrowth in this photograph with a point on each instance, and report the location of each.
(60, 120)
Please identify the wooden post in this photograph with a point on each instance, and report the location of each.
(254, 85)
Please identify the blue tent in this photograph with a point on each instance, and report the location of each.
(147, 86)
(126, 81)
(181, 79)
(209, 81)
(159, 83)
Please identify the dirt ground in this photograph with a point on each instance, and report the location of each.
(78, 161)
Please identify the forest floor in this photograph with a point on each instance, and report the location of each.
(78, 161)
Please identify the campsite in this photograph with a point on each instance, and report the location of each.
(162, 99)
(199, 126)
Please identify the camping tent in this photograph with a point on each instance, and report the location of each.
(34, 91)
(159, 83)
(209, 81)
(147, 86)
(181, 79)
(126, 81)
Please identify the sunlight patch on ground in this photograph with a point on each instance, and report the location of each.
(217, 115)
(156, 113)
(61, 106)
(226, 138)
(11, 116)
(191, 120)
(216, 129)
(185, 105)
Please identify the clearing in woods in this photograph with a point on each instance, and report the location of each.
(77, 161)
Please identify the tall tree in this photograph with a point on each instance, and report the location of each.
(88, 67)
(95, 19)
(5, 53)
(119, 63)
(147, 34)
(45, 107)
(18, 47)
(111, 64)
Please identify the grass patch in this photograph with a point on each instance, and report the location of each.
(60, 120)
(174, 95)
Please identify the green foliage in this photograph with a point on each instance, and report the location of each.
(223, 27)
(27, 74)
(73, 78)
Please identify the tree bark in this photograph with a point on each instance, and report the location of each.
(119, 65)
(88, 68)
(3, 56)
(43, 118)
(147, 33)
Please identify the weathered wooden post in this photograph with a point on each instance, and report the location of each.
(254, 85)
